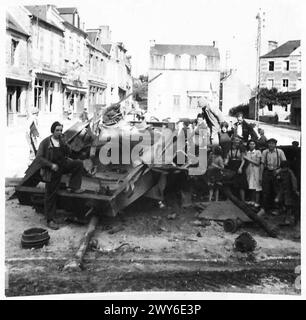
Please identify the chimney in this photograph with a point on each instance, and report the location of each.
(152, 43)
(106, 32)
(272, 45)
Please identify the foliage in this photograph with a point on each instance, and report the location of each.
(244, 108)
(270, 97)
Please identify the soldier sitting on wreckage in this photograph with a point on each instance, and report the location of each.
(53, 155)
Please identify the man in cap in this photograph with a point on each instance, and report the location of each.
(213, 117)
(270, 165)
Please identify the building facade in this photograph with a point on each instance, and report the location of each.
(75, 81)
(47, 47)
(233, 92)
(97, 70)
(57, 67)
(188, 72)
(281, 67)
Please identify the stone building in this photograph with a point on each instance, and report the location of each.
(75, 82)
(119, 77)
(97, 70)
(47, 69)
(281, 67)
(18, 79)
(188, 72)
(54, 65)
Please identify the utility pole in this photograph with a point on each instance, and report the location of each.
(260, 24)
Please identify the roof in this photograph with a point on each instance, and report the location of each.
(40, 12)
(67, 10)
(92, 36)
(107, 47)
(71, 26)
(179, 49)
(11, 23)
(284, 50)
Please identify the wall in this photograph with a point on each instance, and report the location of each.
(178, 82)
(234, 93)
(293, 75)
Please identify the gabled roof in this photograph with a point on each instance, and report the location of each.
(67, 10)
(40, 12)
(284, 50)
(179, 49)
(12, 24)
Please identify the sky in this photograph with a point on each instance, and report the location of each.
(232, 24)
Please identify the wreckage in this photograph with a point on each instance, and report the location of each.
(111, 187)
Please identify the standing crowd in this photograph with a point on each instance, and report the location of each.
(240, 155)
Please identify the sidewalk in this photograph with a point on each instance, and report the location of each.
(17, 149)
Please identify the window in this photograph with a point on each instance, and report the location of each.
(285, 83)
(176, 101)
(193, 62)
(14, 45)
(270, 83)
(177, 62)
(271, 65)
(286, 65)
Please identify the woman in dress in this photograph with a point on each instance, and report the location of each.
(253, 173)
(235, 162)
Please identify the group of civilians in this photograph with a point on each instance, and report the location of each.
(241, 155)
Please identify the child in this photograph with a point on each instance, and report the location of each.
(214, 172)
(235, 162)
(224, 139)
(287, 194)
(253, 172)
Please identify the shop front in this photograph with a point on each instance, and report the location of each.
(16, 100)
(74, 99)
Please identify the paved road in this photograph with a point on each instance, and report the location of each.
(284, 136)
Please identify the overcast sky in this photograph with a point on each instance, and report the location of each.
(231, 23)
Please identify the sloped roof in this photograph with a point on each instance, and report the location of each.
(107, 47)
(284, 50)
(11, 23)
(40, 12)
(179, 49)
(67, 10)
(92, 36)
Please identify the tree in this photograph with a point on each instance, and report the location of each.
(270, 97)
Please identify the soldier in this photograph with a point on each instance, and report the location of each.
(53, 155)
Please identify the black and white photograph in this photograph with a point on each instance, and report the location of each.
(152, 147)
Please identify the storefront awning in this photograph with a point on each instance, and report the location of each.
(44, 73)
(94, 83)
(197, 93)
(76, 89)
(17, 79)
